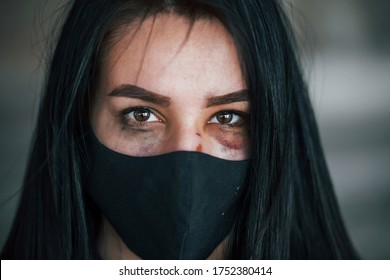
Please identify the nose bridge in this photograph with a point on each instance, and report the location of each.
(184, 137)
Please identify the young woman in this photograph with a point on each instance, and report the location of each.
(176, 129)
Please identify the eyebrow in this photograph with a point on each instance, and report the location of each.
(133, 91)
(237, 96)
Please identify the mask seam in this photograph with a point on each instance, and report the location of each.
(189, 208)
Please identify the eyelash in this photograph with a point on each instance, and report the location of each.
(142, 124)
(242, 117)
(134, 123)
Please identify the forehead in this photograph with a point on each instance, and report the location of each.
(170, 55)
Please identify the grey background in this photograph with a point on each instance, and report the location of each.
(346, 54)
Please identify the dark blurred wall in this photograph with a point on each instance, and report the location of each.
(347, 63)
(19, 88)
(349, 78)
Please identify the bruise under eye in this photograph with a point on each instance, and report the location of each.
(230, 134)
(235, 140)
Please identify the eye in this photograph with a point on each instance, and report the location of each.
(226, 118)
(141, 114)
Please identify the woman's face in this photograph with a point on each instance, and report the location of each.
(169, 86)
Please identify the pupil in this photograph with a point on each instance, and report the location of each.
(142, 115)
(225, 118)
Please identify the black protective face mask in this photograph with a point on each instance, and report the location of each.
(179, 205)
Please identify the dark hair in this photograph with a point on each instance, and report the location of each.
(289, 210)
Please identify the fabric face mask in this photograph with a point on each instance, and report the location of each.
(179, 205)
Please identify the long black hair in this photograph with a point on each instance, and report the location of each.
(289, 210)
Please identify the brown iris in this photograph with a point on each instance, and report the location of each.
(141, 115)
(224, 118)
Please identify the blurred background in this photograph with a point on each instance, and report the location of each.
(346, 53)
